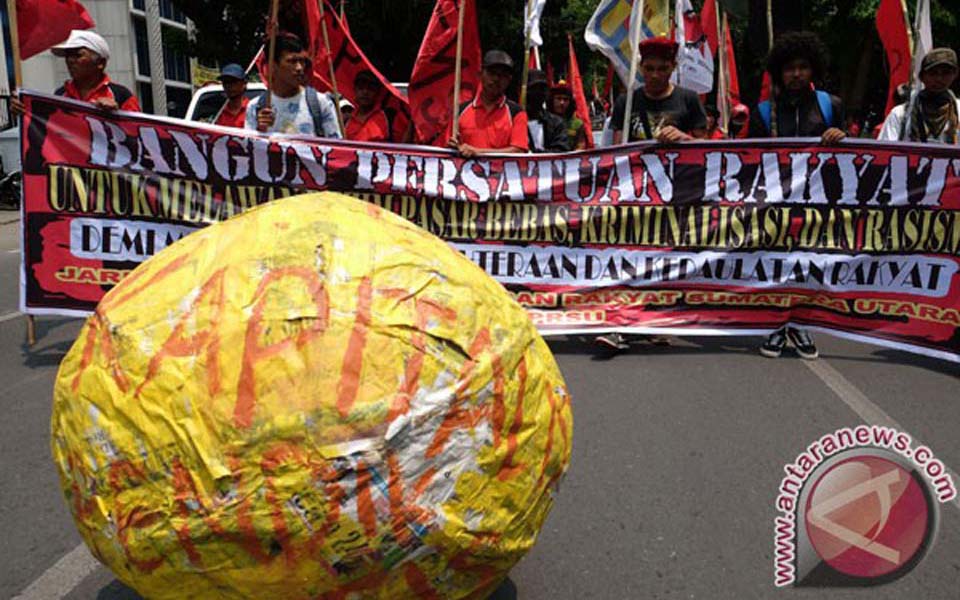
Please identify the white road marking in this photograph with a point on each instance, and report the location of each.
(865, 408)
(10, 316)
(60, 579)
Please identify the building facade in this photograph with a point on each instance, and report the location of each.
(123, 24)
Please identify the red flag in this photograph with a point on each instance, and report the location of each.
(765, 86)
(710, 25)
(892, 27)
(733, 81)
(431, 84)
(348, 61)
(42, 24)
(579, 99)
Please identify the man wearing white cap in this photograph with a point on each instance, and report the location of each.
(86, 53)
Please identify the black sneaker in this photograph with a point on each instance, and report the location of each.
(614, 341)
(802, 341)
(773, 347)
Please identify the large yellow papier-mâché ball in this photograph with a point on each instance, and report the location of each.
(315, 399)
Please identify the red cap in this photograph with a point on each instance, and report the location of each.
(658, 47)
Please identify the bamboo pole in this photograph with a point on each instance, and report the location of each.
(769, 24)
(636, 26)
(272, 27)
(333, 71)
(457, 72)
(526, 54)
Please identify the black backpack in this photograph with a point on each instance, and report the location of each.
(120, 93)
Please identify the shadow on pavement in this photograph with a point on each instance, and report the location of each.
(117, 591)
(586, 344)
(45, 356)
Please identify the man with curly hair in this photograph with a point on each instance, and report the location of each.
(797, 109)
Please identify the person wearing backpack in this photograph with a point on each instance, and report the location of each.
(86, 54)
(294, 106)
(797, 109)
(491, 123)
(797, 60)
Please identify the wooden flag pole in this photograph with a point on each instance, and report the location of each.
(456, 72)
(272, 27)
(526, 54)
(636, 25)
(18, 82)
(333, 71)
(770, 24)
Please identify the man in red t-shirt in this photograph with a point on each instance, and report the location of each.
(234, 111)
(369, 122)
(491, 123)
(86, 54)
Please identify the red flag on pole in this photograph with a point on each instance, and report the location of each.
(579, 98)
(895, 35)
(708, 22)
(733, 81)
(42, 24)
(431, 83)
(348, 61)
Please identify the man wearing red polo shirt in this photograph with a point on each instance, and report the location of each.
(491, 123)
(369, 122)
(86, 54)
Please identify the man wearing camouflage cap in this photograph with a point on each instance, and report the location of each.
(935, 113)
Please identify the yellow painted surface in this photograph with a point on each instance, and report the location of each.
(313, 399)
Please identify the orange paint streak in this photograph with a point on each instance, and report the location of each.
(365, 510)
(549, 447)
(424, 481)
(398, 511)
(353, 359)
(418, 582)
(110, 355)
(508, 469)
(184, 489)
(253, 352)
(178, 345)
(129, 289)
(86, 357)
(457, 416)
(499, 407)
(426, 309)
(281, 534)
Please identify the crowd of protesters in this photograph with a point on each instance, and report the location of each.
(493, 123)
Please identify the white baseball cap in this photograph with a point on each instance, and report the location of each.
(82, 38)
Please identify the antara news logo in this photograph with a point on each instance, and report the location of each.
(858, 507)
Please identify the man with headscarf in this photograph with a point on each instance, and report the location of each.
(936, 114)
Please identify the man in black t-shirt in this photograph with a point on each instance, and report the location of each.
(661, 110)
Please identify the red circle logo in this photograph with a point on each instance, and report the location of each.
(868, 517)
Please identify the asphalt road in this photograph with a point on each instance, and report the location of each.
(678, 454)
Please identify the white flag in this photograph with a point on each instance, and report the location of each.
(531, 19)
(924, 41)
(694, 60)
